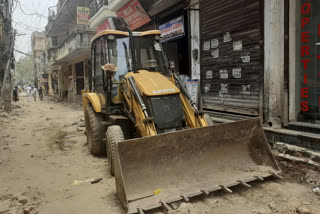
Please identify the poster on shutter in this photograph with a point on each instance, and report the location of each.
(245, 58)
(207, 88)
(192, 88)
(236, 73)
(214, 43)
(245, 89)
(237, 46)
(224, 88)
(206, 46)
(215, 53)
(227, 37)
(224, 74)
(209, 75)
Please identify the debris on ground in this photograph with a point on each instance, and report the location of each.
(78, 182)
(20, 203)
(96, 181)
(49, 156)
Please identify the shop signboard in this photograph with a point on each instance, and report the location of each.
(83, 15)
(173, 29)
(134, 14)
(106, 25)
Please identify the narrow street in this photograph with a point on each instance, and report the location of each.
(43, 151)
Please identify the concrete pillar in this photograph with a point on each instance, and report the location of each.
(195, 40)
(274, 62)
(74, 83)
(85, 73)
(50, 91)
(293, 108)
(60, 85)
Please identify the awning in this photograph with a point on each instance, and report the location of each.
(154, 7)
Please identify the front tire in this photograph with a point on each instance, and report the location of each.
(114, 135)
(95, 131)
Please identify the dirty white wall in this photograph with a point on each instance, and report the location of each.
(195, 39)
(274, 62)
(292, 60)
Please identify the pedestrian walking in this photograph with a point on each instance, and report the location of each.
(15, 94)
(40, 93)
(28, 89)
(34, 93)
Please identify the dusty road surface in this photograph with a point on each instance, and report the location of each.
(43, 151)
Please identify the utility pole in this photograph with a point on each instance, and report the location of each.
(7, 98)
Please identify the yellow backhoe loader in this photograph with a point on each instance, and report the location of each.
(161, 148)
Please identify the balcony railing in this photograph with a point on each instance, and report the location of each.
(52, 12)
(76, 40)
(96, 5)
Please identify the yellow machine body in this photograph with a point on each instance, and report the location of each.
(156, 169)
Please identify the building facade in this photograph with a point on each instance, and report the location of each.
(259, 58)
(68, 49)
(255, 58)
(38, 44)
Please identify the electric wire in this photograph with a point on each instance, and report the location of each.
(36, 22)
(30, 14)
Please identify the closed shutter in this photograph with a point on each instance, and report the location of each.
(231, 60)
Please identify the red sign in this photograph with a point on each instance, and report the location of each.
(106, 25)
(134, 15)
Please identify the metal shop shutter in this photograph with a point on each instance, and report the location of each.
(231, 55)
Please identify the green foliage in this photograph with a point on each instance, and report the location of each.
(24, 70)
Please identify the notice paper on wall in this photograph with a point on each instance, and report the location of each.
(215, 53)
(224, 74)
(237, 46)
(192, 87)
(214, 43)
(206, 45)
(236, 73)
(209, 75)
(227, 37)
(245, 58)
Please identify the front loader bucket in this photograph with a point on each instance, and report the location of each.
(155, 171)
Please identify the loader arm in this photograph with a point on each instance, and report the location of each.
(144, 124)
(193, 116)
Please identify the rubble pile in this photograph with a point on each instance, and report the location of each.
(300, 163)
(20, 203)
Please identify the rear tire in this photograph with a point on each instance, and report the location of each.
(114, 135)
(95, 131)
(208, 119)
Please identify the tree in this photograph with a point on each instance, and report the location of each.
(24, 70)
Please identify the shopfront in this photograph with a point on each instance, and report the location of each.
(174, 31)
(232, 56)
(171, 19)
(305, 61)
